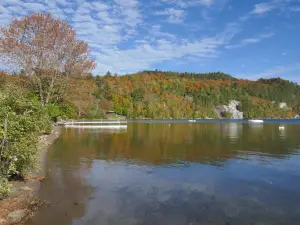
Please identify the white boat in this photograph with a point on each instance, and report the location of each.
(192, 121)
(255, 121)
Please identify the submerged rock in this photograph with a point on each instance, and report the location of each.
(26, 188)
(17, 216)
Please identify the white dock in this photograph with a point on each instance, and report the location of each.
(96, 122)
(99, 124)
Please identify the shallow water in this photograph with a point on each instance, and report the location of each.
(161, 173)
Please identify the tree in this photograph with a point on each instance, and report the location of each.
(138, 94)
(79, 94)
(108, 74)
(46, 49)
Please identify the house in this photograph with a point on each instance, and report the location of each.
(111, 113)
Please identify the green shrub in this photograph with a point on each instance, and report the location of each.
(54, 111)
(59, 112)
(26, 119)
(5, 187)
(227, 115)
(69, 112)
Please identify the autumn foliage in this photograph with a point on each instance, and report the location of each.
(157, 94)
(45, 49)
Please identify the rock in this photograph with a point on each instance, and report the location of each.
(17, 216)
(297, 116)
(26, 188)
(232, 107)
(282, 105)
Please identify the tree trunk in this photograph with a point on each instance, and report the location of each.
(50, 89)
(40, 87)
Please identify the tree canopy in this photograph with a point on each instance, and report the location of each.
(45, 49)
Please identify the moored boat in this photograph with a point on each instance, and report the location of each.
(255, 121)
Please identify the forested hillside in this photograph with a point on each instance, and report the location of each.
(167, 95)
(156, 94)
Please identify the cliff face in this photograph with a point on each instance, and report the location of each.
(232, 108)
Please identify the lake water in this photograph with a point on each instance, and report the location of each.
(174, 173)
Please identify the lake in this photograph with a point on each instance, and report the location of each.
(174, 173)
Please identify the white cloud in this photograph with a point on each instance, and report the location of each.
(33, 7)
(105, 17)
(129, 11)
(5, 18)
(11, 2)
(144, 55)
(68, 10)
(279, 5)
(189, 3)
(3, 10)
(155, 31)
(262, 8)
(247, 41)
(14, 9)
(98, 6)
(104, 25)
(174, 15)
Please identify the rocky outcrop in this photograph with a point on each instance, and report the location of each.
(232, 108)
(282, 105)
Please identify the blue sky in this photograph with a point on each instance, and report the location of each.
(245, 38)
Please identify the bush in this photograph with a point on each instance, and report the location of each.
(227, 114)
(5, 187)
(58, 112)
(26, 119)
(54, 111)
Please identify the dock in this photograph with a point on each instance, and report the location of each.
(94, 124)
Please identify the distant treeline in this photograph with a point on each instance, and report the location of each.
(199, 76)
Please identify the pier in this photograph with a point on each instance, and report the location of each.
(94, 124)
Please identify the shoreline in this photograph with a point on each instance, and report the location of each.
(23, 200)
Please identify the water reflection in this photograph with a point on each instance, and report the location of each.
(232, 130)
(174, 174)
